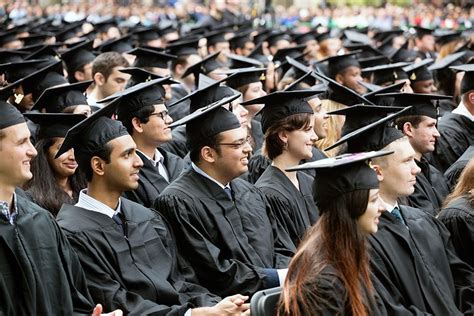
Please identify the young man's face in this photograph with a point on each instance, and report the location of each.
(423, 137)
(350, 77)
(399, 173)
(246, 50)
(426, 43)
(233, 159)
(16, 152)
(114, 83)
(425, 86)
(157, 129)
(121, 174)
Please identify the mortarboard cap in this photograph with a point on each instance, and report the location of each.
(389, 73)
(35, 39)
(54, 124)
(324, 36)
(446, 38)
(46, 77)
(180, 48)
(467, 82)
(422, 31)
(78, 56)
(403, 54)
(357, 37)
(56, 99)
(276, 36)
(10, 115)
(342, 174)
(449, 60)
(239, 40)
(47, 52)
(68, 32)
(421, 104)
(338, 63)
(12, 56)
(294, 52)
(8, 36)
(151, 58)
(105, 25)
(419, 71)
(15, 71)
(281, 104)
(215, 37)
(238, 61)
(119, 45)
(241, 77)
(204, 66)
(380, 36)
(376, 90)
(146, 34)
(303, 38)
(139, 75)
(373, 61)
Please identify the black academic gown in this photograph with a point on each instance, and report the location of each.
(456, 135)
(151, 183)
(431, 188)
(257, 134)
(418, 266)
(295, 210)
(180, 110)
(458, 217)
(318, 154)
(453, 172)
(138, 274)
(177, 145)
(40, 273)
(229, 243)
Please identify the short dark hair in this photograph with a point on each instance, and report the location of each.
(143, 114)
(181, 60)
(195, 147)
(106, 62)
(84, 160)
(414, 120)
(273, 145)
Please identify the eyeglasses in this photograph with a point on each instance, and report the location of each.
(162, 114)
(239, 144)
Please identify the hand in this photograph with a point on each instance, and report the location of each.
(98, 311)
(246, 313)
(232, 306)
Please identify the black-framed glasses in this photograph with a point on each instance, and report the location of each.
(162, 114)
(239, 144)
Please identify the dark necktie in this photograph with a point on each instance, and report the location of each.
(228, 191)
(118, 219)
(397, 214)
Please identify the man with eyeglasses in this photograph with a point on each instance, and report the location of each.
(146, 118)
(223, 225)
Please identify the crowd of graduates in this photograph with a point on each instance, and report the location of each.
(177, 169)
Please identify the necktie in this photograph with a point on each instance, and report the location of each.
(118, 219)
(228, 191)
(397, 214)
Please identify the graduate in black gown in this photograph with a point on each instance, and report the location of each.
(127, 250)
(458, 214)
(457, 128)
(144, 114)
(224, 226)
(419, 124)
(287, 121)
(411, 254)
(330, 274)
(40, 273)
(453, 172)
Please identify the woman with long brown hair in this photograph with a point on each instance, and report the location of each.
(458, 214)
(329, 274)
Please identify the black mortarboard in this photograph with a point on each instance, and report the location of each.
(46, 77)
(239, 40)
(241, 77)
(215, 37)
(342, 174)
(449, 60)
(10, 115)
(448, 37)
(12, 56)
(303, 38)
(276, 36)
(323, 36)
(380, 36)
(47, 52)
(307, 78)
(8, 36)
(422, 31)
(372, 136)
(373, 95)
(68, 32)
(78, 56)
(467, 83)
(281, 104)
(338, 63)
(261, 36)
(419, 71)
(342, 94)
(258, 54)
(208, 122)
(387, 73)
(357, 37)
(35, 39)
(55, 124)
(237, 61)
(204, 66)
(421, 103)
(301, 70)
(403, 54)
(15, 71)
(294, 52)
(180, 48)
(119, 45)
(151, 58)
(209, 91)
(139, 75)
(56, 99)
(105, 25)
(167, 29)
(373, 61)
(146, 34)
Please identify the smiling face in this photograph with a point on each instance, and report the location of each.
(321, 125)
(368, 222)
(65, 165)
(350, 78)
(16, 152)
(157, 129)
(300, 142)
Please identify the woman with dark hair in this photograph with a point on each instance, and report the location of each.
(329, 274)
(55, 181)
(458, 214)
(287, 121)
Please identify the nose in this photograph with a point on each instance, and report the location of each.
(168, 119)
(247, 148)
(415, 170)
(70, 154)
(313, 135)
(138, 163)
(31, 151)
(436, 133)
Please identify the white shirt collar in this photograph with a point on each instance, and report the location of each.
(204, 174)
(89, 203)
(157, 157)
(462, 110)
(389, 207)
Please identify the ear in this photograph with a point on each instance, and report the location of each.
(378, 170)
(99, 79)
(471, 97)
(339, 78)
(97, 165)
(179, 70)
(283, 136)
(79, 75)
(137, 125)
(408, 129)
(208, 154)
